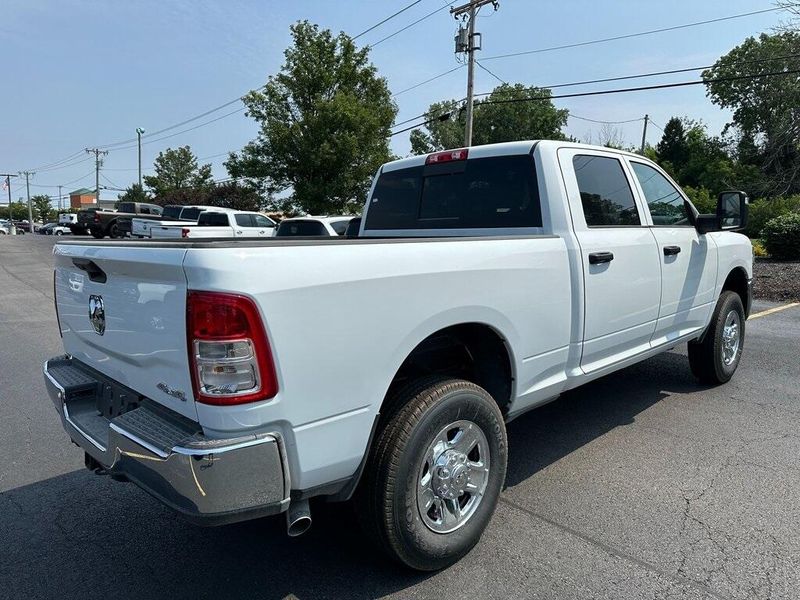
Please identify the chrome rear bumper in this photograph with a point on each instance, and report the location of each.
(210, 481)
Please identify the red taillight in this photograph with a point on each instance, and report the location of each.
(229, 354)
(96, 217)
(447, 156)
(185, 232)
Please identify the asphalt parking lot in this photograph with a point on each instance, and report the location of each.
(640, 485)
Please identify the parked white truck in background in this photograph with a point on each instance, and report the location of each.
(484, 283)
(172, 215)
(222, 223)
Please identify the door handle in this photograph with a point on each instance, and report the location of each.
(260, 231)
(597, 258)
(671, 250)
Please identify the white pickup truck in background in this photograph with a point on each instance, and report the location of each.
(484, 283)
(172, 215)
(221, 223)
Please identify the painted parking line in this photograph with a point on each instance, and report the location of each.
(770, 311)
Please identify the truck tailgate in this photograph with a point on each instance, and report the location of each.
(138, 334)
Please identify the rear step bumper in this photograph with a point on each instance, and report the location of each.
(210, 481)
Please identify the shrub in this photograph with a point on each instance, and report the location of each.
(782, 236)
(702, 200)
(758, 249)
(762, 210)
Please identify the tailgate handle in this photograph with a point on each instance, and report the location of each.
(94, 272)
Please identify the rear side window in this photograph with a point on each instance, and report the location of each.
(126, 207)
(191, 214)
(244, 220)
(211, 219)
(339, 226)
(605, 194)
(477, 193)
(172, 212)
(301, 228)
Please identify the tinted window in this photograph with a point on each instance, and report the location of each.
(212, 219)
(484, 192)
(262, 221)
(339, 226)
(244, 220)
(353, 227)
(605, 194)
(301, 228)
(127, 207)
(172, 212)
(664, 201)
(191, 214)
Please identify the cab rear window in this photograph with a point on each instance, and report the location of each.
(473, 194)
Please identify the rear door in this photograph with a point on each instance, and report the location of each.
(244, 225)
(137, 335)
(620, 259)
(688, 259)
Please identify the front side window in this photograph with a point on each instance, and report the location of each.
(664, 201)
(605, 194)
(339, 226)
(262, 221)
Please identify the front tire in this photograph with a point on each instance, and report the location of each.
(435, 472)
(714, 359)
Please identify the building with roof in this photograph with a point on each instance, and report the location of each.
(84, 198)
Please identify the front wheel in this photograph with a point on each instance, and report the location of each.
(435, 472)
(714, 359)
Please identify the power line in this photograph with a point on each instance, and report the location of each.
(503, 81)
(604, 92)
(421, 83)
(631, 35)
(657, 73)
(627, 77)
(409, 26)
(573, 116)
(389, 18)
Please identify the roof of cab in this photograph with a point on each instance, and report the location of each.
(501, 149)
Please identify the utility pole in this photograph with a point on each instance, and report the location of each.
(59, 197)
(28, 188)
(644, 134)
(467, 41)
(98, 162)
(139, 132)
(8, 177)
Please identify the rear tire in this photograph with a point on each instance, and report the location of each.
(714, 359)
(435, 472)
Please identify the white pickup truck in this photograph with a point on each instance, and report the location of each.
(222, 223)
(173, 215)
(236, 379)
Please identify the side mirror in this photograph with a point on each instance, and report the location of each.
(731, 214)
(732, 210)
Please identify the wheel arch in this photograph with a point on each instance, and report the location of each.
(737, 281)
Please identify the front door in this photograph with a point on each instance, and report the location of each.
(620, 260)
(688, 259)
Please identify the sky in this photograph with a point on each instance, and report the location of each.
(86, 73)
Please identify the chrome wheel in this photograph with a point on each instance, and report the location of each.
(731, 336)
(453, 476)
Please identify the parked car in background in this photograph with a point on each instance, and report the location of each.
(24, 226)
(58, 229)
(312, 226)
(172, 215)
(45, 229)
(5, 227)
(485, 282)
(67, 219)
(107, 223)
(222, 223)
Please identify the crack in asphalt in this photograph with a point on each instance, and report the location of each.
(617, 553)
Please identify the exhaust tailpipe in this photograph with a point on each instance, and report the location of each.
(298, 518)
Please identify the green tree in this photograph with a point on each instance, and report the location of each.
(16, 211)
(672, 147)
(324, 124)
(177, 169)
(766, 118)
(506, 115)
(42, 210)
(134, 193)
